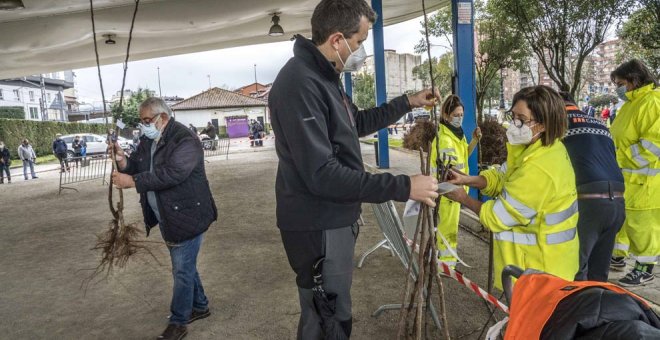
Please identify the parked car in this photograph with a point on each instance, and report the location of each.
(95, 143)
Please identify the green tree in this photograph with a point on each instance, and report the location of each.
(364, 90)
(499, 47)
(562, 33)
(443, 69)
(641, 35)
(130, 114)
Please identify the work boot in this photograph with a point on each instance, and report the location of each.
(198, 315)
(173, 332)
(636, 278)
(618, 263)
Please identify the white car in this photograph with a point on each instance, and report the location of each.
(95, 143)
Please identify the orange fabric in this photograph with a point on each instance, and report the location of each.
(535, 297)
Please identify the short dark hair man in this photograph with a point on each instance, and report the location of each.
(321, 181)
(167, 170)
(600, 189)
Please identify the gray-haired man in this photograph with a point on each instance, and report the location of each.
(167, 170)
(27, 155)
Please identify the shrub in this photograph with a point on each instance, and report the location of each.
(41, 134)
(12, 112)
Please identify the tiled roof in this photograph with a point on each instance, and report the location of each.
(216, 98)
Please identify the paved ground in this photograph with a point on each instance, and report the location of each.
(44, 254)
(406, 162)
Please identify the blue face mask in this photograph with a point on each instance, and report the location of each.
(621, 92)
(150, 130)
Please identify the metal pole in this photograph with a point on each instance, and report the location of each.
(463, 28)
(44, 105)
(160, 92)
(209, 76)
(348, 84)
(381, 90)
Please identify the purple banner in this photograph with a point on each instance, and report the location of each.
(237, 127)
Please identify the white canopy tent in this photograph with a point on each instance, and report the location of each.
(55, 35)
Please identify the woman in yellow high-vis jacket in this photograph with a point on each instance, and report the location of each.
(451, 143)
(636, 134)
(534, 215)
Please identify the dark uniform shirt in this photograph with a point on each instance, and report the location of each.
(591, 149)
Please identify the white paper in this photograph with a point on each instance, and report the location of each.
(445, 187)
(120, 124)
(412, 208)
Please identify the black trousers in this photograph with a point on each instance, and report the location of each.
(303, 249)
(599, 222)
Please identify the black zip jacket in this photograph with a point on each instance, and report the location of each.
(183, 195)
(321, 181)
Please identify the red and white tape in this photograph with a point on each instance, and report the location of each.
(447, 270)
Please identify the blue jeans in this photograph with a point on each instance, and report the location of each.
(29, 163)
(188, 292)
(4, 168)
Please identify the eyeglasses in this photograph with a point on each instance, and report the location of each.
(517, 122)
(149, 120)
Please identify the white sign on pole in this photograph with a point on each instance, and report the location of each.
(464, 12)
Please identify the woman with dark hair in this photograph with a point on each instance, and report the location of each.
(451, 143)
(636, 134)
(535, 213)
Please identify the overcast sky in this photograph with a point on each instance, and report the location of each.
(186, 75)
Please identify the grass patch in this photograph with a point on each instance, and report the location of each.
(397, 143)
(40, 160)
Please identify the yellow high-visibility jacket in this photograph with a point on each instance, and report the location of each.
(449, 211)
(534, 217)
(636, 134)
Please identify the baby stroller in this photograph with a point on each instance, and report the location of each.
(543, 306)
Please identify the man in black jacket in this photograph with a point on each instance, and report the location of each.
(600, 190)
(167, 170)
(321, 181)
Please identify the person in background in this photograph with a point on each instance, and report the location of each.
(605, 114)
(209, 130)
(636, 133)
(77, 145)
(5, 162)
(535, 213)
(27, 155)
(59, 150)
(600, 190)
(451, 142)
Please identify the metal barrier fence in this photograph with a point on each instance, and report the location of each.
(83, 169)
(395, 240)
(216, 147)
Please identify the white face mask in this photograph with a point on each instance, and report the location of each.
(355, 60)
(621, 92)
(456, 121)
(519, 136)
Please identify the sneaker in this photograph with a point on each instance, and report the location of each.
(198, 315)
(174, 332)
(618, 263)
(636, 278)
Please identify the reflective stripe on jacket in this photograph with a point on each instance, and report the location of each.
(535, 213)
(636, 134)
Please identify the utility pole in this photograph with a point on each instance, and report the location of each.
(256, 88)
(160, 92)
(209, 76)
(501, 88)
(44, 105)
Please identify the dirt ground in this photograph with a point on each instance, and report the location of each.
(45, 255)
